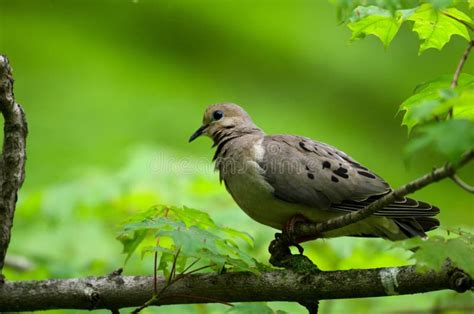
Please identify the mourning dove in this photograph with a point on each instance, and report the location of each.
(274, 178)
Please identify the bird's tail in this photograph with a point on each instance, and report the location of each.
(416, 226)
(413, 218)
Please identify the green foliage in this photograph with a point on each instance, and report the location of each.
(463, 105)
(449, 138)
(189, 235)
(434, 252)
(375, 21)
(429, 107)
(435, 22)
(435, 27)
(433, 99)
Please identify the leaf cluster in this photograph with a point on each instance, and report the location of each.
(445, 116)
(189, 236)
(441, 111)
(435, 252)
(435, 21)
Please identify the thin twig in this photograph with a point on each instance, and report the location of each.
(13, 158)
(462, 184)
(144, 306)
(457, 73)
(461, 63)
(155, 260)
(173, 267)
(191, 265)
(182, 275)
(308, 230)
(171, 280)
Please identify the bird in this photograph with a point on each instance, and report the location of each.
(275, 178)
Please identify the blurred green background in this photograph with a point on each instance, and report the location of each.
(113, 89)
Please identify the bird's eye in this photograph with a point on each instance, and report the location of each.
(217, 115)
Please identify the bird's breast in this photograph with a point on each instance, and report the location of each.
(245, 181)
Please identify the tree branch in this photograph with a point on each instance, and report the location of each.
(279, 285)
(12, 160)
(462, 184)
(308, 230)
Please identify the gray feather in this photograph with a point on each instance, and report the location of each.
(316, 174)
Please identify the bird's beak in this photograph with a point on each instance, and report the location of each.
(198, 133)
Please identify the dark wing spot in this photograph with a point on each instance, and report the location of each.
(304, 147)
(307, 168)
(352, 162)
(334, 179)
(229, 127)
(342, 172)
(326, 164)
(366, 174)
(311, 176)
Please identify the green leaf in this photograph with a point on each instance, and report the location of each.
(435, 27)
(435, 98)
(131, 241)
(449, 138)
(424, 111)
(433, 252)
(463, 105)
(471, 4)
(444, 81)
(191, 232)
(375, 21)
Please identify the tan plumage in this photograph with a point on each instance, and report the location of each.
(275, 177)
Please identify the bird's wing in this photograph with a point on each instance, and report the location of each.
(315, 174)
(318, 175)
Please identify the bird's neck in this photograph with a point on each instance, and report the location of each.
(225, 136)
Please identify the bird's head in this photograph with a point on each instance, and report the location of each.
(221, 118)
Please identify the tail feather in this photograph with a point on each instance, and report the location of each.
(414, 218)
(416, 226)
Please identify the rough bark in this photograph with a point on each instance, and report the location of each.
(115, 292)
(12, 160)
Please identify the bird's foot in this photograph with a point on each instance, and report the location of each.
(289, 232)
(280, 250)
(281, 256)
